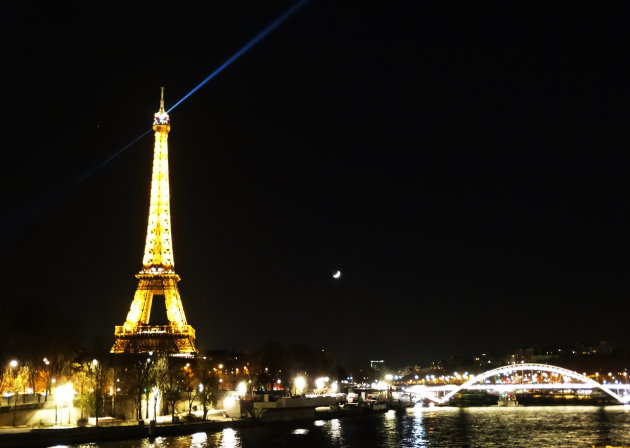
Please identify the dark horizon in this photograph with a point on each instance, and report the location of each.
(464, 168)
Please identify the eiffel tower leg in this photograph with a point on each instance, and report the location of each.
(174, 307)
(140, 310)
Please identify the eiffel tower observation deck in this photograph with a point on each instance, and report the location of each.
(157, 277)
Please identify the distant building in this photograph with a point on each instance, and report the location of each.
(377, 365)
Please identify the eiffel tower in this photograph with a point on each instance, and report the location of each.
(157, 276)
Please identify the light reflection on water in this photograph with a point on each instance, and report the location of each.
(333, 431)
(390, 431)
(566, 426)
(198, 440)
(571, 426)
(228, 438)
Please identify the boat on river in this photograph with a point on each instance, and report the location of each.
(507, 400)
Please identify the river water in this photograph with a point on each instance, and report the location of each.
(553, 426)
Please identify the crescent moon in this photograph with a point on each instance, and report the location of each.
(337, 274)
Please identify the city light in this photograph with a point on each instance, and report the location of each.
(300, 384)
(63, 394)
(320, 383)
(229, 401)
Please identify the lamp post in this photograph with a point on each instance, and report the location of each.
(63, 396)
(54, 381)
(13, 364)
(299, 383)
(47, 373)
(113, 391)
(95, 369)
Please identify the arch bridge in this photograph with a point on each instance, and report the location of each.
(478, 382)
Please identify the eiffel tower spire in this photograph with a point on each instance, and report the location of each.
(158, 249)
(157, 276)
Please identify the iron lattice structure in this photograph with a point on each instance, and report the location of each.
(157, 276)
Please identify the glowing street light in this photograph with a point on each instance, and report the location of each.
(241, 389)
(13, 364)
(320, 383)
(299, 383)
(63, 396)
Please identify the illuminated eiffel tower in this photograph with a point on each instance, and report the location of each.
(157, 276)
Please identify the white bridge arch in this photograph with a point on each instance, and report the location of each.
(522, 367)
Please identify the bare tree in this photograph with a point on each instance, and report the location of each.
(207, 383)
(170, 375)
(97, 374)
(137, 372)
(160, 378)
(190, 385)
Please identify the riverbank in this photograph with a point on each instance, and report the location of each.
(27, 437)
(45, 437)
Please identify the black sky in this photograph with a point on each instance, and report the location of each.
(464, 166)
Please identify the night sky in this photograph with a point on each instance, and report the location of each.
(464, 166)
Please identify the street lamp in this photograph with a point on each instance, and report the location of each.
(54, 381)
(300, 384)
(114, 390)
(241, 389)
(46, 370)
(13, 364)
(320, 383)
(63, 395)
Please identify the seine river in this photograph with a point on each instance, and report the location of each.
(554, 426)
